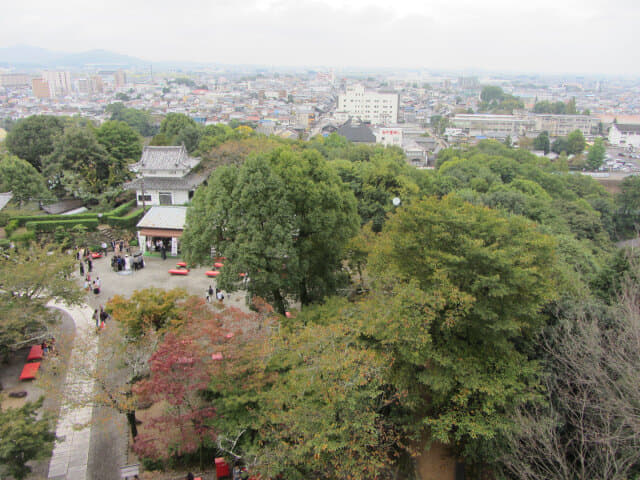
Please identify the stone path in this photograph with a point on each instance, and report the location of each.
(71, 451)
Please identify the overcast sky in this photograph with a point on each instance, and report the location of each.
(577, 36)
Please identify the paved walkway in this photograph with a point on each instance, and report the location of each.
(71, 451)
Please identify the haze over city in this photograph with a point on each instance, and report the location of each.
(545, 36)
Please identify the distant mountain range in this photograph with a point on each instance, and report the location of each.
(28, 57)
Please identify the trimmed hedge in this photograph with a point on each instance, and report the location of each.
(121, 210)
(50, 226)
(128, 222)
(24, 219)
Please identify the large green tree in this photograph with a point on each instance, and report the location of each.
(461, 290)
(139, 120)
(282, 217)
(576, 142)
(25, 435)
(123, 146)
(79, 165)
(542, 142)
(30, 278)
(596, 154)
(21, 178)
(33, 138)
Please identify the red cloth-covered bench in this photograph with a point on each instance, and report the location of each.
(181, 264)
(218, 265)
(95, 255)
(222, 468)
(29, 371)
(179, 271)
(212, 273)
(35, 353)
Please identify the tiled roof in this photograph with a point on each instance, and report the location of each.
(165, 158)
(629, 128)
(165, 217)
(188, 182)
(357, 134)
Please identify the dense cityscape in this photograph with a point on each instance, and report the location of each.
(217, 270)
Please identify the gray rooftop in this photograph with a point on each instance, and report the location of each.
(165, 158)
(166, 217)
(188, 182)
(4, 199)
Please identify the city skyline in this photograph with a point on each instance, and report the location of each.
(586, 37)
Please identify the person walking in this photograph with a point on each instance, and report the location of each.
(163, 252)
(96, 318)
(209, 294)
(219, 295)
(81, 269)
(89, 264)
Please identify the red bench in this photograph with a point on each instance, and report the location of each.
(181, 264)
(218, 265)
(212, 273)
(29, 371)
(35, 353)
(95, 255)
(222, 468)
(179, 271)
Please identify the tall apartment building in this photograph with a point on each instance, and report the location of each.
(59, 82)
(119, 79)
(40, 88)
(374, 107)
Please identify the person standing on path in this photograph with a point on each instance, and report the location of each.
(89, 264)
(96, 317)
(81, 269)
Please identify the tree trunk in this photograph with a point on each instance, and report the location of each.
(131, 418)
(279, 301)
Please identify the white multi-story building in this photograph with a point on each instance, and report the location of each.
(374, 107)
(624, 135)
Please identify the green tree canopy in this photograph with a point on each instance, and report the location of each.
(139, 120)
(282, 217)
(25, 435)
(79, 165)
(542, 142)
(31, 277)
(596, 155)
(465, 288)
(576, 142)
(33, 138)
(21, 178)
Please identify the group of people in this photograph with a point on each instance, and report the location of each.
(218, 294)
(49, 347)
(100, 317)
(158, 246)
(92, 285)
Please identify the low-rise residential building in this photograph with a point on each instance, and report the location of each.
(624, 135)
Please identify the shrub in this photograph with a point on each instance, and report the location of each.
(4, 243)
(4, 219)
(11, 227)
(51, 225)
(133, 243)
(23, 238)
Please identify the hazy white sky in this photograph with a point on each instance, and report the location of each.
(585, 36)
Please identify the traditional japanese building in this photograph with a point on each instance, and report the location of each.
(165, 176)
